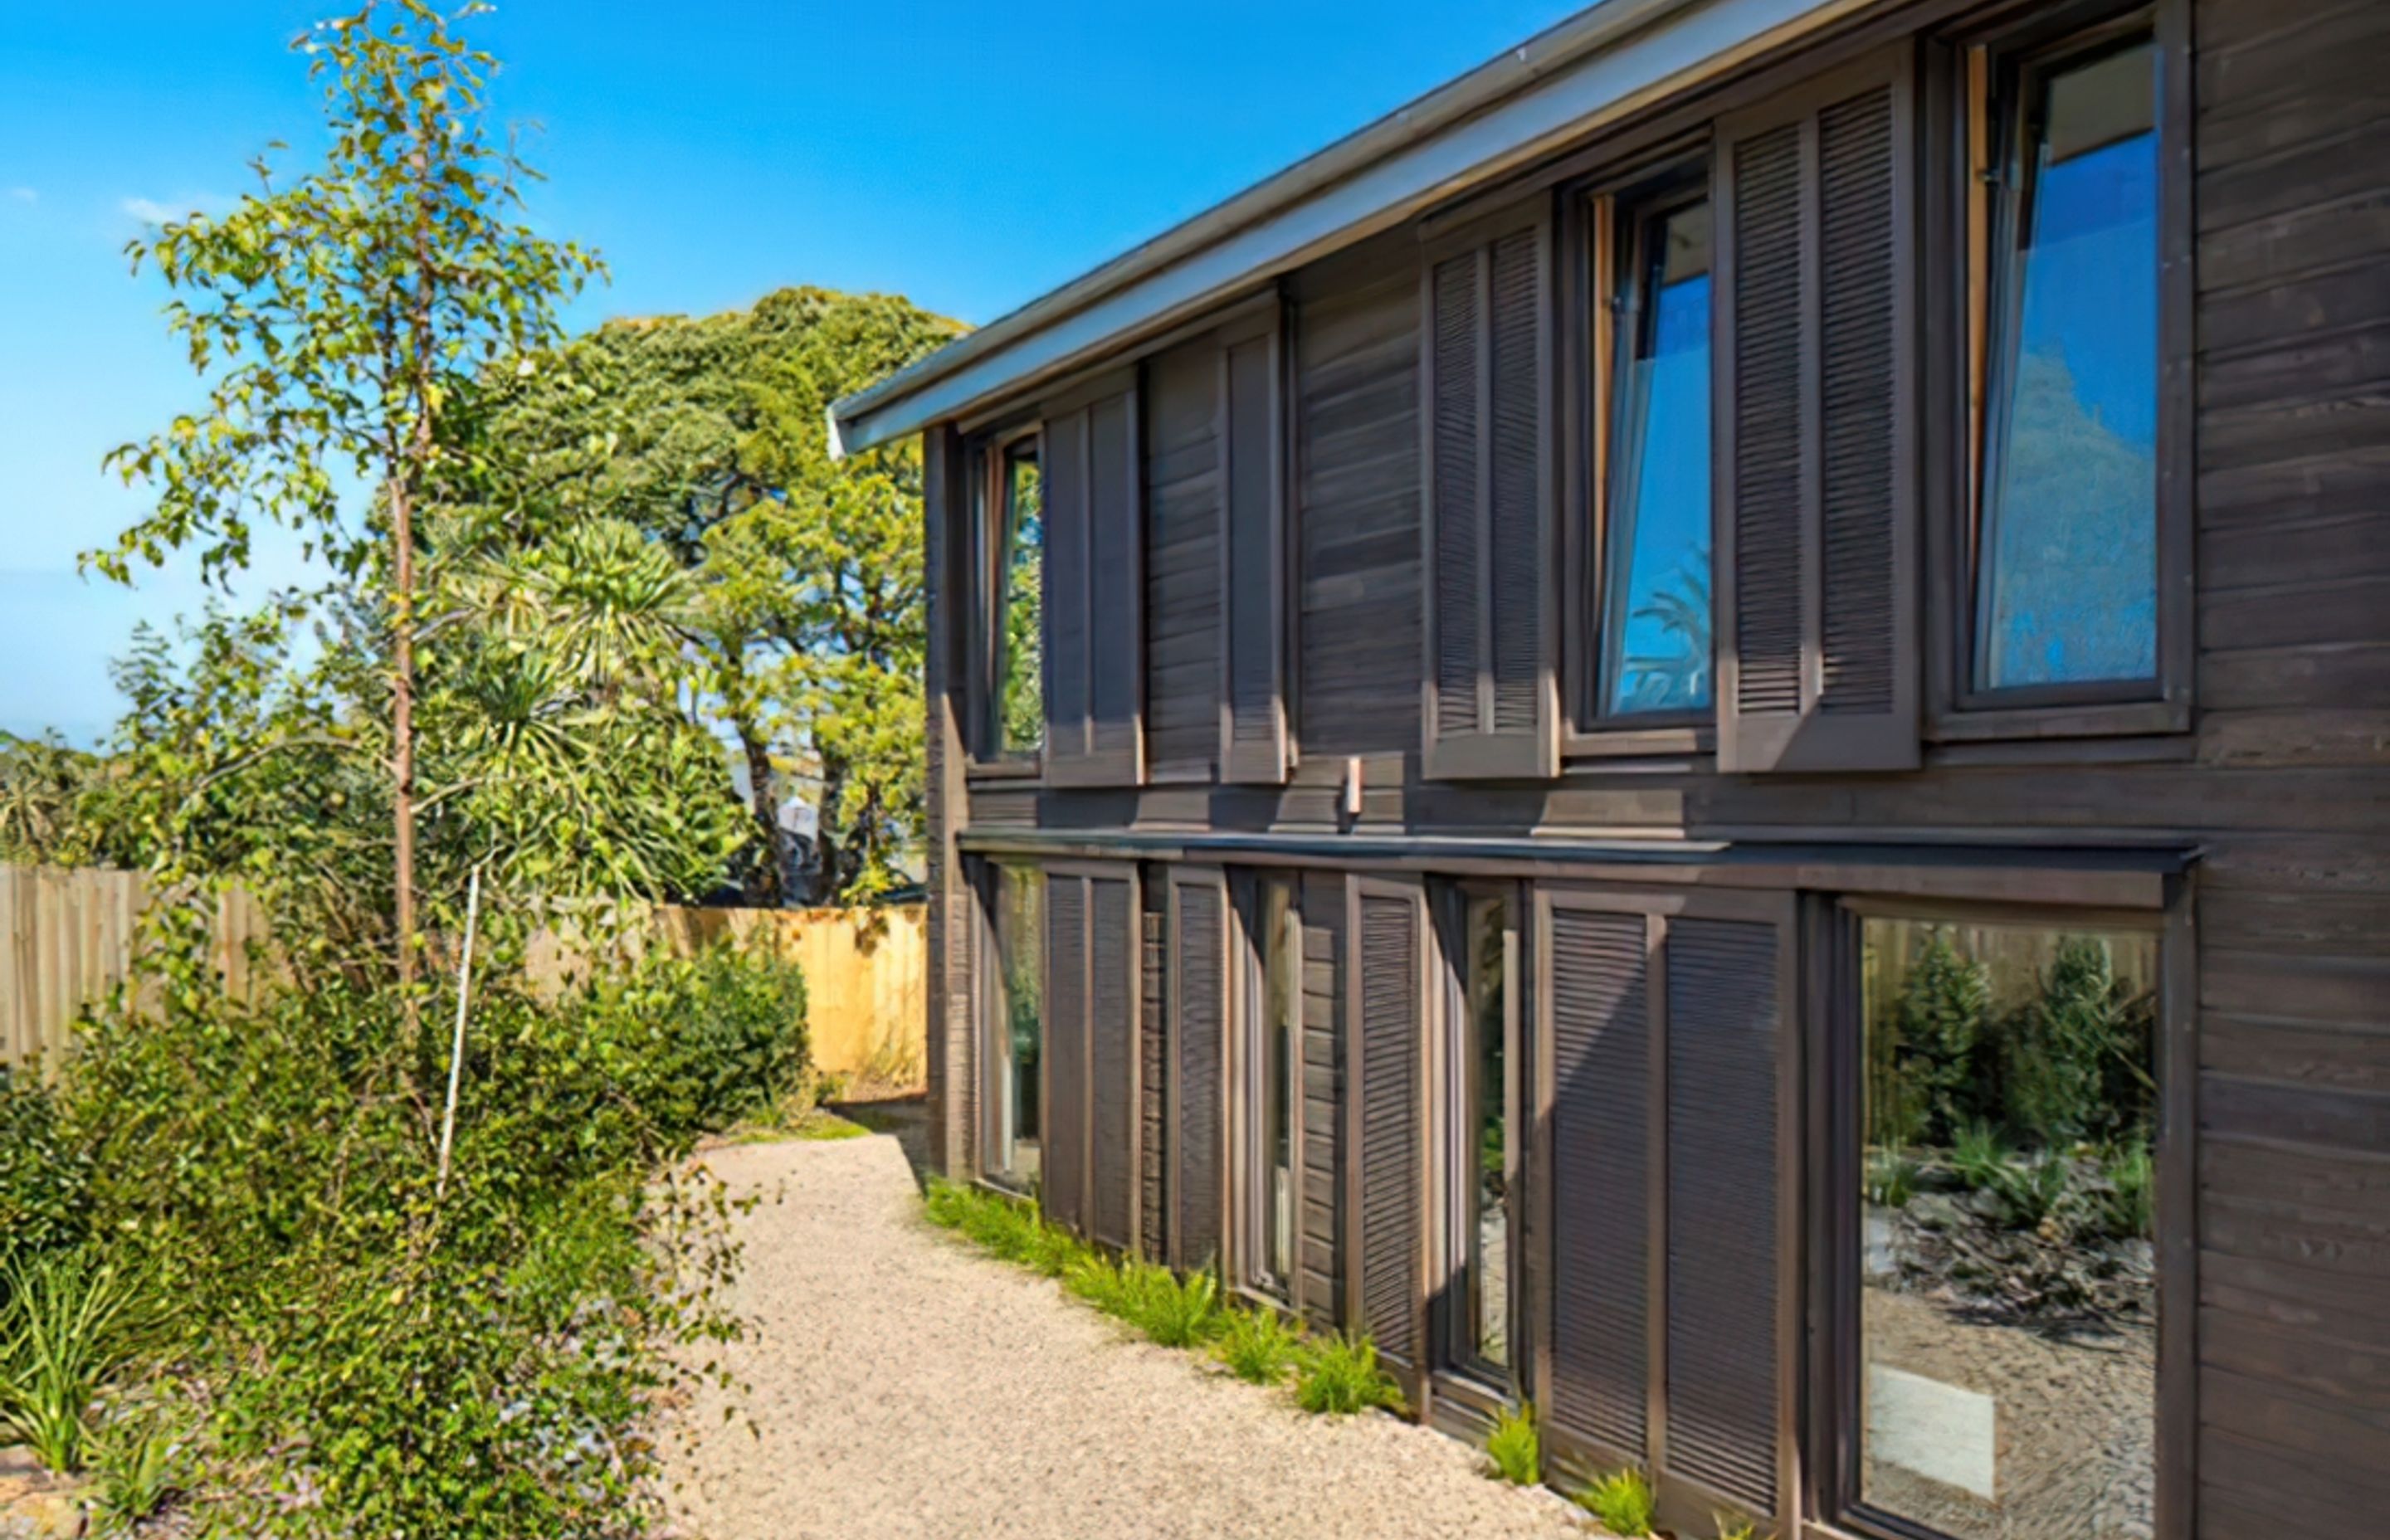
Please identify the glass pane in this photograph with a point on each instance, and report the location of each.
(1282, 1056)
(2067, 569)
(2009, 1309)
(1655, 631)
(1020, 673)
(1021, 1023)
(1488, 1221)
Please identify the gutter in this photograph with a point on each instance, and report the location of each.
(873, 416)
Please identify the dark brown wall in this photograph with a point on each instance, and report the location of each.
(2282, 785)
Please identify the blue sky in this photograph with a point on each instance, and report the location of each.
(970, 155)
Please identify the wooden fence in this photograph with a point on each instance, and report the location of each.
(67, 937)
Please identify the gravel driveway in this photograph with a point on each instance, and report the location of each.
(907, 1387)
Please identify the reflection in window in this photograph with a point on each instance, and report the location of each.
(2008, 1308)
(1491, 1148)
(1020, 666)
(1018, 1024)
(2066, 565)
(1281, 1062)
(1655, 604)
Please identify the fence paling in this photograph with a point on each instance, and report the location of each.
(67, 937)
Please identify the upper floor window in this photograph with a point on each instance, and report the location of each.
(1017, 538)
(1654, 594)
(1274, 1070)
(2064, 547)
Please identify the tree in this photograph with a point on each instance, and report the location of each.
(808, 623)
(346, 321)
(45, 789)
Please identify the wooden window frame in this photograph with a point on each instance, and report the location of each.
(1835, 1056)
(1246, 1235)
(992, 1020)
(1457, 1371)
(1961, 135)
(986, 758)
(1601, 219)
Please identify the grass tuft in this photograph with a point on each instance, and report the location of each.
(70, 1325)
(1257, 1346)
(1174, 1312)
(1339, 1376)
(1514, 1450)
(1622, 1500)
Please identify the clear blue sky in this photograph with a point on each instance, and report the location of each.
(970, 155)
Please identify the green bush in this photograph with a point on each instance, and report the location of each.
(1923, 1067)
(378, 1357)
(45, 1176)
(2129, 1203)
(701, 1043)
(2074, 1061)
(1514, 1449)
(1622, 1500)
(1257, 1345)
(1338, 1376)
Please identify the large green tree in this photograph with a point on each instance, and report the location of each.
(708, 434)
(345, 322)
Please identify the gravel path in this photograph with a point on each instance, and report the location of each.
(909, 1388)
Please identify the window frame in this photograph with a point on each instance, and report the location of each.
(1249, 1076)
(1453, 1088)
(993, 1018)
(1602, 217)
(1974, 112)
(993, 456)
(1832, 932)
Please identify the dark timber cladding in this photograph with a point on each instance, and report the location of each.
(1324, 562)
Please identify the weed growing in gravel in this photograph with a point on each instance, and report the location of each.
(1622, 1500)
(1339, 1375)
(1514, 1449)
(1257, 1346)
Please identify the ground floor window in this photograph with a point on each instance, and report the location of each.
(1484, 1151)
(2006, 1312)
(1275, 1073)
(1016, 1025)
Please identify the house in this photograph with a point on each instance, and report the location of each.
(1698, 730)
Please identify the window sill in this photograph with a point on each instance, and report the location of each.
(2036, 724)
(977, 771)
(1637, 742)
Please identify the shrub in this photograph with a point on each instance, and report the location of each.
(380, 1358)
(1257, 1346)
(2075, 1060)
(71, 1324)
(45, 1176)
(701, 1043)
(1622, 1500)
(1936, 1024)
(1339, 1376)
(1979, 1157)
(1514, 1449)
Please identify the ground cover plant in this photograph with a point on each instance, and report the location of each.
(1514, 1449)
(1623, 1500)
(1332, 1375)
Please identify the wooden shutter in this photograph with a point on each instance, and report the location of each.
(1094, 582)
(1186, 533)
(1489, 697)
(1389, 1116)
(1320, 1290)
(1111, 1059)
(1816, 415)
(1252, 745)
(1062, 1183)
(1730, 1318)
(1154, 1079)
(1599, 1022)
(1198, 979)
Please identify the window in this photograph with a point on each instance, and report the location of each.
(1275, 1074)
(1016, 637)
(2007, 1303)
(1015, 1027)
(1654, 647)
(2064, 548)
(1483, 1155)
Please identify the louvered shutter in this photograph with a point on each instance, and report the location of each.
(1727, 1322)
(1062, 1184)
(1153, 1079)
(1599, 1018)
(1490, 701)
(1094, 593)
(1198, 975)
(1817, 410)
(1111, 1059)
(1254, 749)
(1388, 1114)
(1320, 1290)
